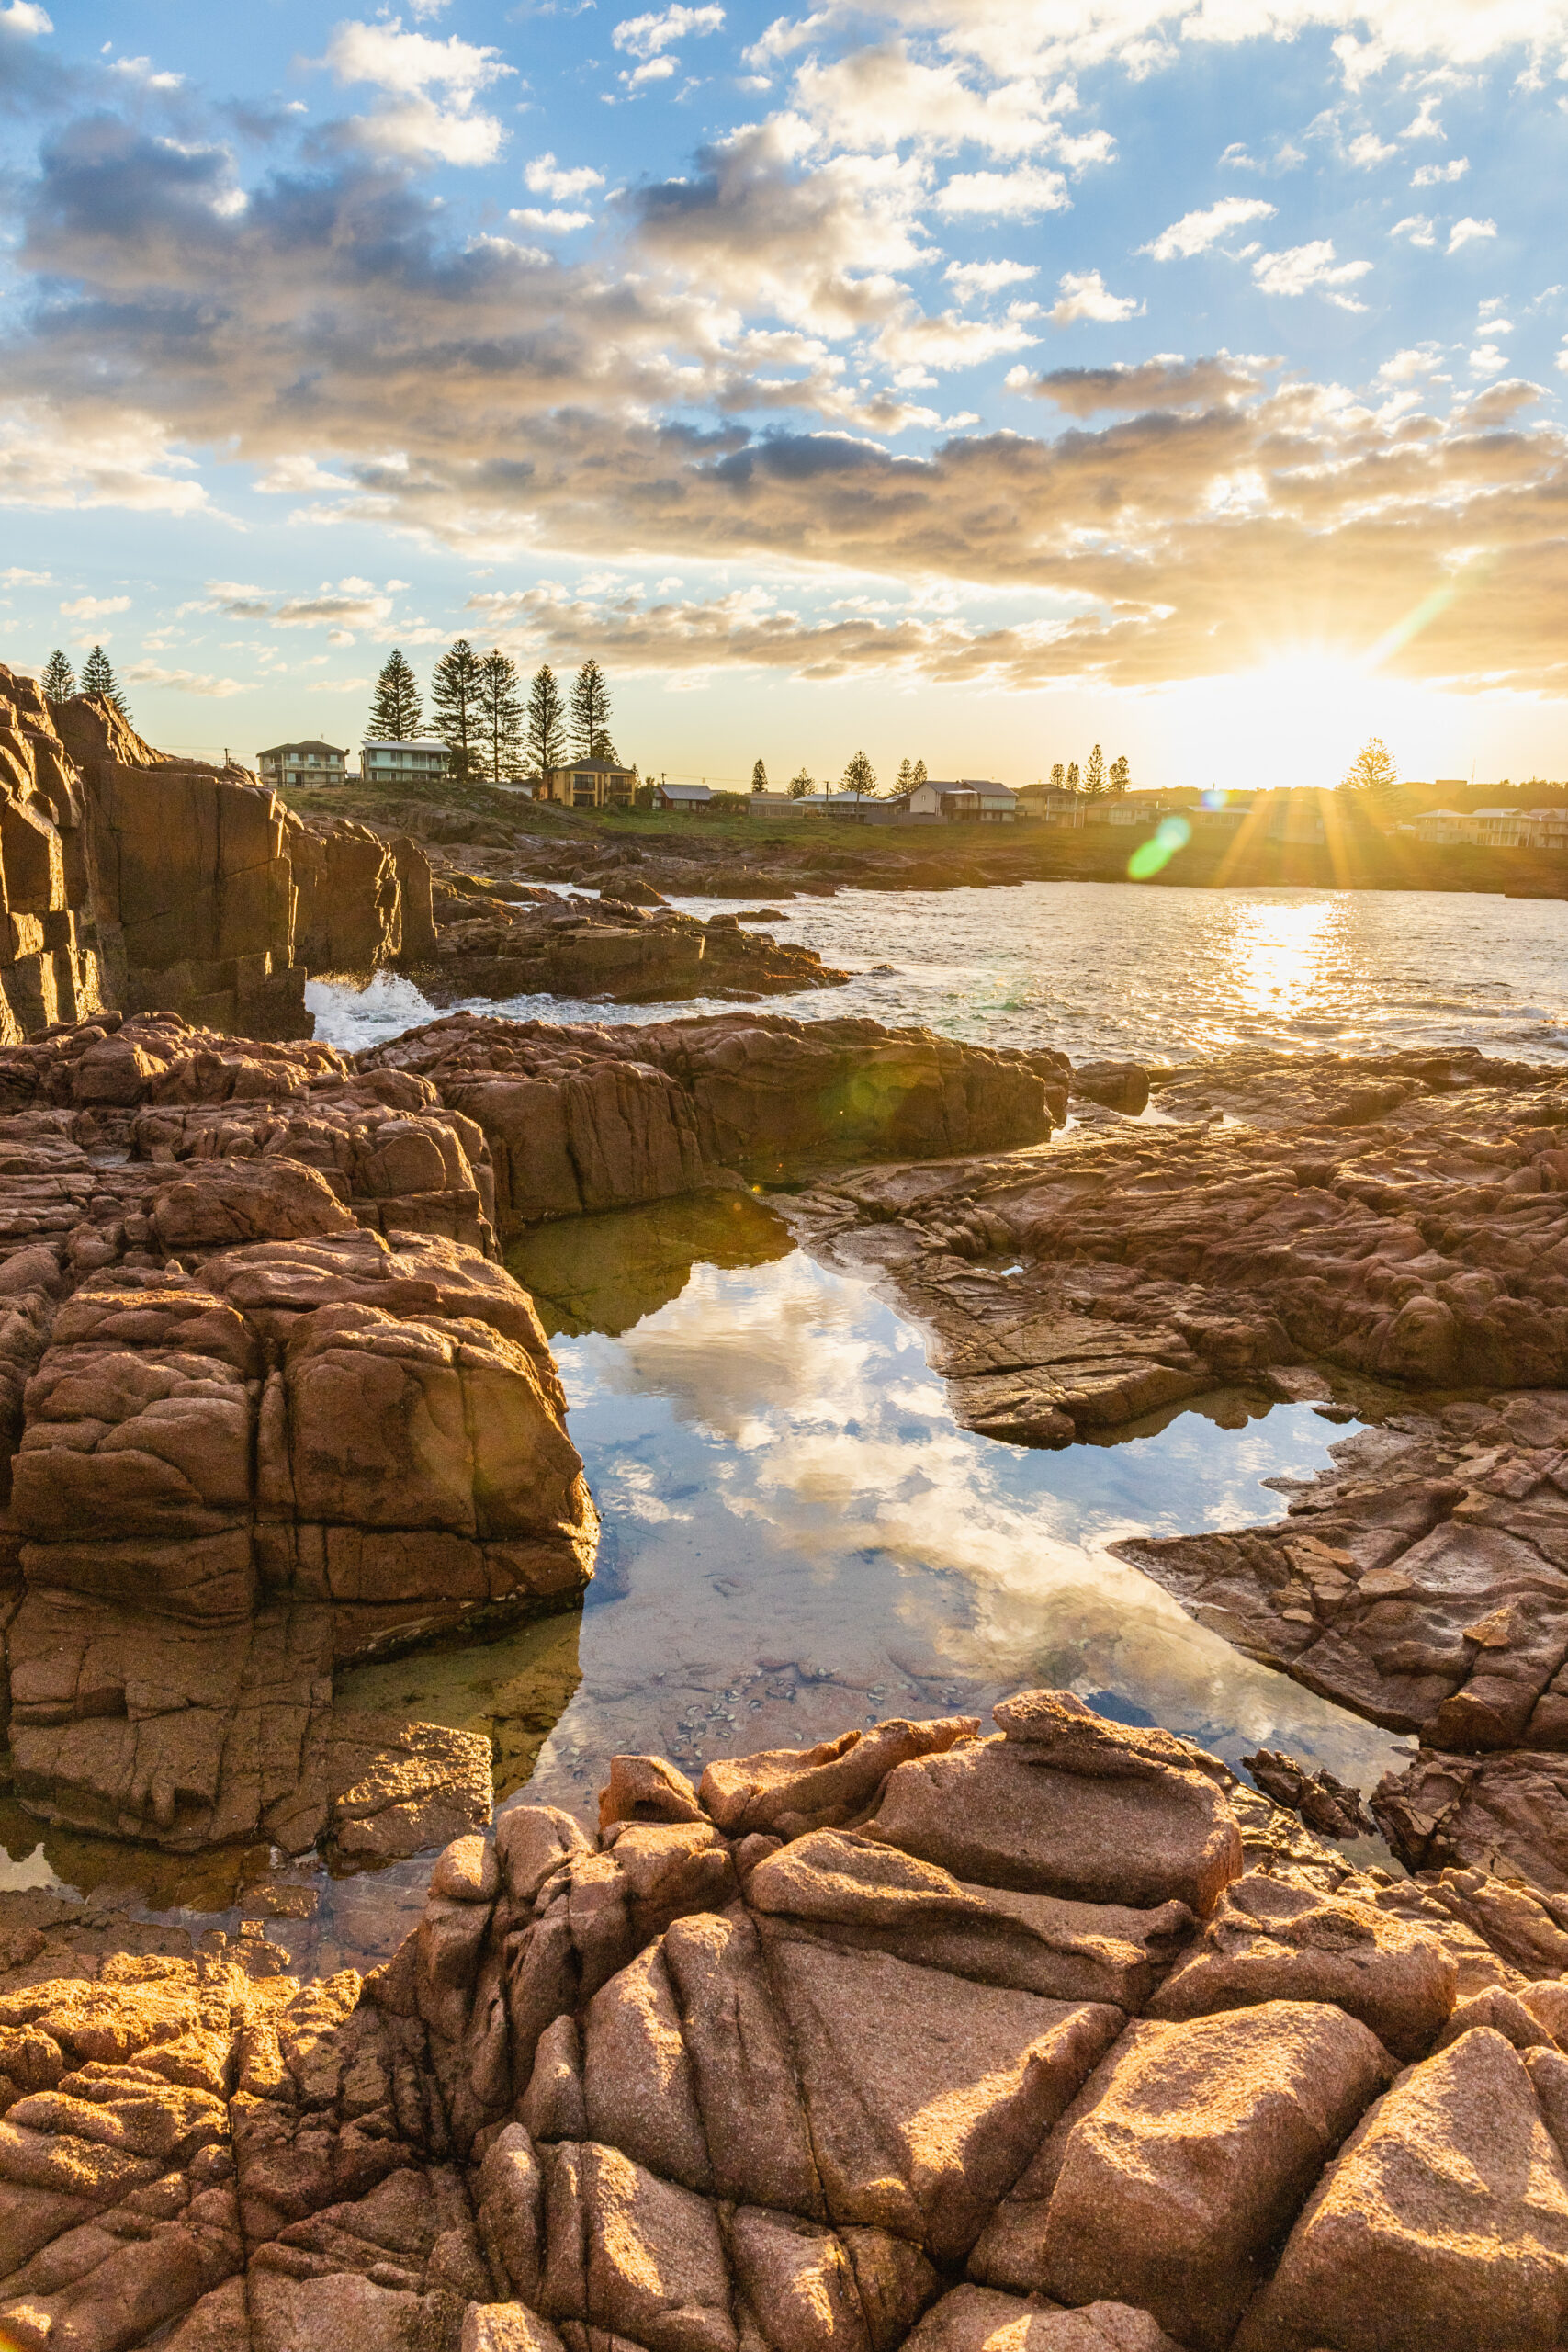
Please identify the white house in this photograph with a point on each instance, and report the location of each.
(422, 760)
(1501, 828)
(1445, 827)
(302, 763)
(1548, 828)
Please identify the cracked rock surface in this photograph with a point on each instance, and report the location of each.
(756, 2068)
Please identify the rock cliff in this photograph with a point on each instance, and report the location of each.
(153, 884)
(1054, 2040)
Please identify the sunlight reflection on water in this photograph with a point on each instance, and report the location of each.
(1104, 969)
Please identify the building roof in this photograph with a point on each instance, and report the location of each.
(603, 767)
(403, 743)
(287, 750)
(686, 791)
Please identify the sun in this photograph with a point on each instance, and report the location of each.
(1298, 719)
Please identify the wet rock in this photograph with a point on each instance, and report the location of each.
(1323, 1803)
(1120, 1085)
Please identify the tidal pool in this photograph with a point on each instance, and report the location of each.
(797, 1537)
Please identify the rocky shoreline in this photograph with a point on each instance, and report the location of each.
(1056, 2037)
(915, 2037)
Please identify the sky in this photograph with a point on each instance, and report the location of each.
(969, 380)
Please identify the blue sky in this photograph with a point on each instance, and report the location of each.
(957, 377)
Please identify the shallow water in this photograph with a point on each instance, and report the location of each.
(797, 1537)
(1098, 968)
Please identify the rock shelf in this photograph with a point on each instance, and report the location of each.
(1056, 2038)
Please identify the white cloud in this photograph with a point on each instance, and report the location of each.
(139, 69)
(94, 608)
(24, 18)
(1016, 195)
(1368, 149)
(551, 224)
(1239, 158)
(48, 458)
(1487, 360)
(1303, 268)
(973, 278)
(185, 682)
(1085, 296)
(545, 176)
(1424, 124)
(15, 576)
(409, 66)
(1468, 233)
(1435, 175)
(648, 36)
(1417, 227)
(1421, 360)
(1196, 231)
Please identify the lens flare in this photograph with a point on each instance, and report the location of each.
(1151, 856)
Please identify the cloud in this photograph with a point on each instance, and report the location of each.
(1487, 360)
(1195, 233)
(1303, 268)
(1423, 360)
(1368, 149)
(185, 682)
(48, 459)
(94, 608)
(1168, 381)
(1085, 295)
(551, 224)
(351, 605)
(1017, 195)
(545, 176)
(1469, 232)
(648, 36)
(973, 278)
(1435, 175)
(25, 20)
(1417, 227)
(409, 67)
(880, 97)
(16, 576)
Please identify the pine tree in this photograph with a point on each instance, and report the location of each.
(500, 715)
(59, 680)
(919, 771)
(859, 775)
(395, 715)
(759, 778)
(1094, 775)
(906, 776)
(1121, 774)
(455, 706)
(799, 785)
(1058, 776)
(547, 720)
(98, 678)
(591, 714)
(1072, 776)
(1373, 769)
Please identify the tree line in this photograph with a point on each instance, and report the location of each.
(491, 729)
(58, 679)
(1096, 779)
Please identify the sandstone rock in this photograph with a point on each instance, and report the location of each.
(1121, 1086)
(977, 2319)
(1444, 2221)
(989, 1811)
(1268, 1940)
(1170, 2177)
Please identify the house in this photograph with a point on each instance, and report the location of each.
(1501, 828)
(963, 800)
(424, 759)
(685, 799)
(593, 784)
(784, 803)
(1548, 828)
(1445, 827)
(1296, 817)
(302, 763)
(1053, 803)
